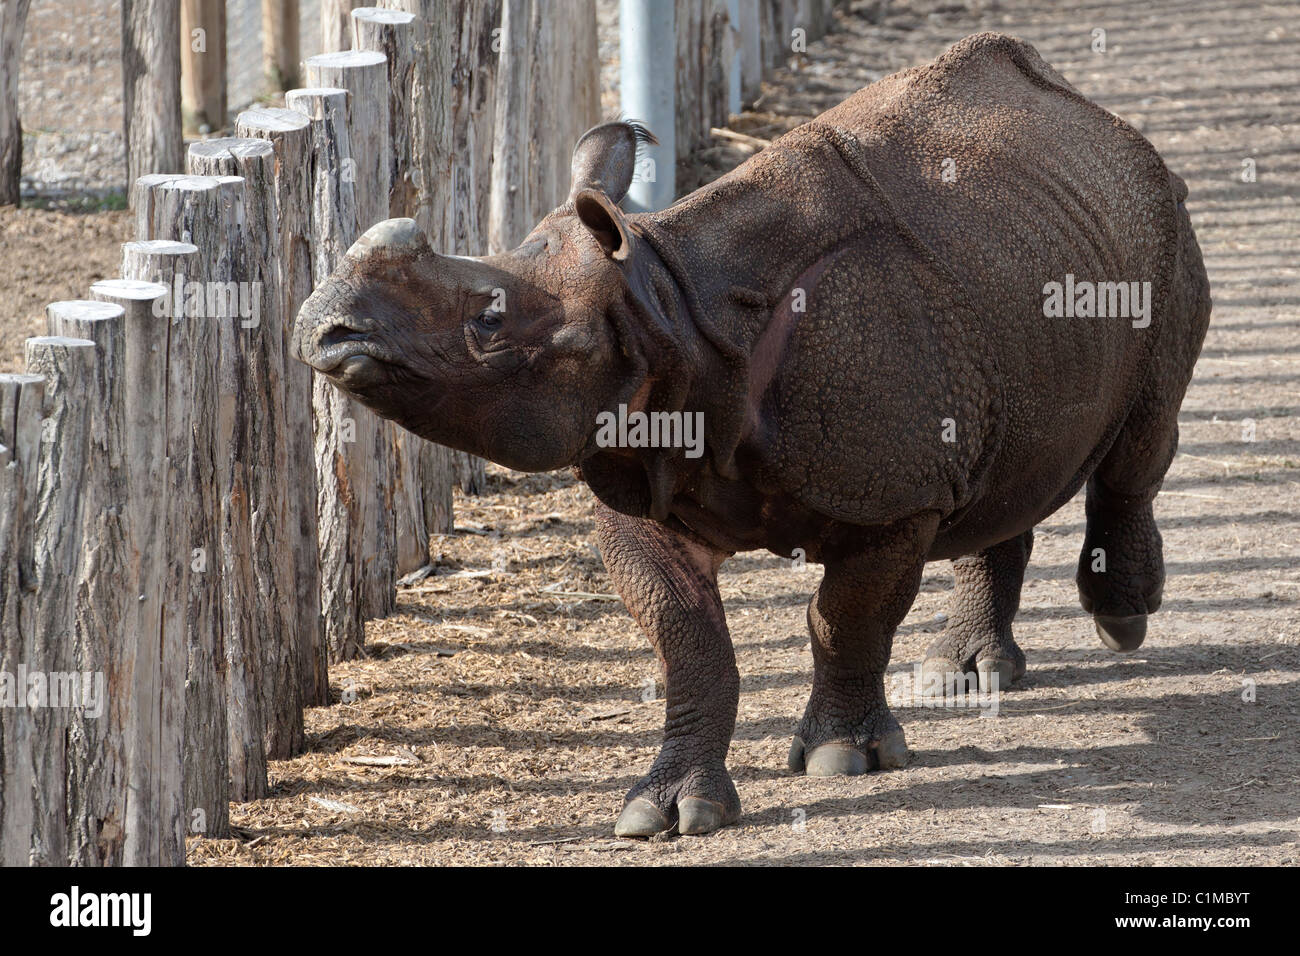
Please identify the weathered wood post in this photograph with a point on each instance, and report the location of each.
(394, 34)
(191, 589)
(336, 27)
(453, 102)
(451, 122)
(511, 173)
(125, 766)
(203, 64)
(151, 76)
(280, 43)
(368, 461)
(251, 317)
(751, 50)
(13, 17)
(22, 401)
(153, 657)
(102, 620)
(289, 133)
(15, 817)
(208, 211)
(704, 56)
(67, 497)
(335, 415)
(545, 52)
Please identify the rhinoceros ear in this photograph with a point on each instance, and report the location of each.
(605, 158)
(604, 221)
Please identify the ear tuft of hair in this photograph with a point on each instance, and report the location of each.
(640, 131)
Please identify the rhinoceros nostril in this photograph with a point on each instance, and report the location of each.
(338, 334)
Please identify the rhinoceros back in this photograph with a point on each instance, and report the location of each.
(1015, 181)
(921, 221)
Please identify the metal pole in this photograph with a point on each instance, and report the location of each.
(648, 51)
(737, 42)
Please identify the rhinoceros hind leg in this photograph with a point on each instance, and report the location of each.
(977, 645)
(847, 728)
(1121, 567)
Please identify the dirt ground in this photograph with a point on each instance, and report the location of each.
(515, 695)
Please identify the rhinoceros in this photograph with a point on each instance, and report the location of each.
(910, 329)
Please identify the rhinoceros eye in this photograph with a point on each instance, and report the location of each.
(488, 320)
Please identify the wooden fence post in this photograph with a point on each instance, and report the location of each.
(451, 128)
(281, 21)
(203, 64)
(192, 597)
(335, 415)
(102, 618)
(508, 214)
(544, 54)
(151, 76)
(155, 809)
(251, 321)
(336, 25)
(22, 401)
(67, 497)
(290, 134)
(369, 461)
(364, 74)
(392, 33)
(417, 473)
(704, 54)
(126, 766)
(13, 17)
(750, 26)
(208, 211)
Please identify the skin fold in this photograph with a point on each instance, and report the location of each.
(857, 313)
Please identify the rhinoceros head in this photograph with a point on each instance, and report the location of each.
(509, 356)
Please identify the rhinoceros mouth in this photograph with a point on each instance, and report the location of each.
(350, 363)
(359, 370)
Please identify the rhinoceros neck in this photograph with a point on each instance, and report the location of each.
(683, 373)
(711, 345)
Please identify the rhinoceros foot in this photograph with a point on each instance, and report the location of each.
(841, 758)
(696, 801)
(1121, 634)
(1121, 567)
(977, 650)
(989, 671)
(824, 747)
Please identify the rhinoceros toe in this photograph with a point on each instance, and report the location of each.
(641, 818)
(1005, 671)
(840, 758)
(698, 815)
(1121, 633)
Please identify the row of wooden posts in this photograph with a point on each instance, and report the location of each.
(192, 525)
(190, 522)
(712, 35)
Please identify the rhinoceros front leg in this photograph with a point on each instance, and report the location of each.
(669, 581)
(847, 727)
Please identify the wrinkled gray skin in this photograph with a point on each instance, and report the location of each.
(866, 339)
